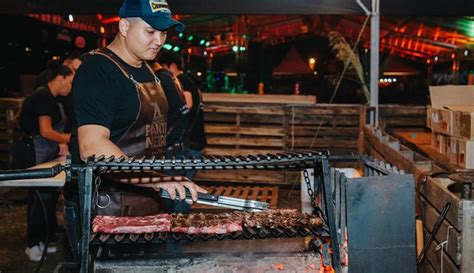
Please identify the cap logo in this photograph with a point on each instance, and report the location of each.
(159, 6)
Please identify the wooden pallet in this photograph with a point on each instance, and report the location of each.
(264, 194)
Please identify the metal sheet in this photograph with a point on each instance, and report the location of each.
(381, 224)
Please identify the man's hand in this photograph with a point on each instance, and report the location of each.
(172, 187)
(63, 149)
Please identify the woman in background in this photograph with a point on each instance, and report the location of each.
(42, 120)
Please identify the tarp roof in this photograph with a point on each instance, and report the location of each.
(387, 7)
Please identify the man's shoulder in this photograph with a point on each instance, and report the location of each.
(96, 61)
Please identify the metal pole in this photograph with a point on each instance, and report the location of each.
(330, 213)
(85, 177)
(374, 61)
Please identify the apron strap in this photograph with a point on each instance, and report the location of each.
(109, 55)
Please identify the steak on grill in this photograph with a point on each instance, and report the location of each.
(204, 223)
(135, 225)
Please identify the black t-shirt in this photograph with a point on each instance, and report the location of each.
(40, 103)
(195, 133)
(177, 109)
(66, 102)
(103, 95)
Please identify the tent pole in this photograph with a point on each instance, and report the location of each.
(374, 61)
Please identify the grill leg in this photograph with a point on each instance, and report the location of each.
(330, 213)
(85, 177)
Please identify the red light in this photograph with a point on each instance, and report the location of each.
(428, 61)
(111, 20)
(102, 30)
(453, 55)
(99, 16)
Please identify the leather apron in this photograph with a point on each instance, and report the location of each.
(146, 136)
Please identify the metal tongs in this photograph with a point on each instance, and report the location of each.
(224, 201)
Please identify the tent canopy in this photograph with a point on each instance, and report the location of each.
(292, 65)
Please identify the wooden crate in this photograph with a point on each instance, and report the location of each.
(459, 223)
(264, 194)
(8, 110)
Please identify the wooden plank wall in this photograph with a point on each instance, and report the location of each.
(8, 110)
(251, 128)
(244, 128)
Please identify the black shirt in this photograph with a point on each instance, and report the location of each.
(195, 132)
(103, 95)
(177, 109)
(40, 103)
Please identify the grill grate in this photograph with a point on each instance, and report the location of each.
(278, 161)
(246, 234)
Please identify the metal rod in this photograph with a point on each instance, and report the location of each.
(31, 173)
(436, 227)
(85, 178)
(327, 195)
(374, 60)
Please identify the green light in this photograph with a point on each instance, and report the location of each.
(235, 48)
(202, 42)
(176, 49)
(167, 46)
(471, 30)
(208, 43)
(180, 35)
(190, 38)
(242, 48)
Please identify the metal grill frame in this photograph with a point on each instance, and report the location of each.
(319, 160)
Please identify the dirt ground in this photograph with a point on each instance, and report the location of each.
(13, 232)
(13, 236)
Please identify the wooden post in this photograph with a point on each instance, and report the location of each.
(237, 135)
(362, 121)
(286, 127)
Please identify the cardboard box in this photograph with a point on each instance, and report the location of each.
(440, 142)
(447, 105)
(453, 150)
(462, 121)
(428, 116)
(443, 121)
(465, 156)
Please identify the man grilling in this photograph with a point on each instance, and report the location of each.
(120, 109)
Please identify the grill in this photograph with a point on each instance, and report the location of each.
(278, 161)
(92, 244)
(328, 184)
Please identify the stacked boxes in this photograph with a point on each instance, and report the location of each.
(451, 119)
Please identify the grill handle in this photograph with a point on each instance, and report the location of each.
(201, 196)
(31, 173)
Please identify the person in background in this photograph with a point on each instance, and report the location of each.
(42, 121)
(195, 133)
(120, 109)
(73, 61)
(176, 142)
(178, 109)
